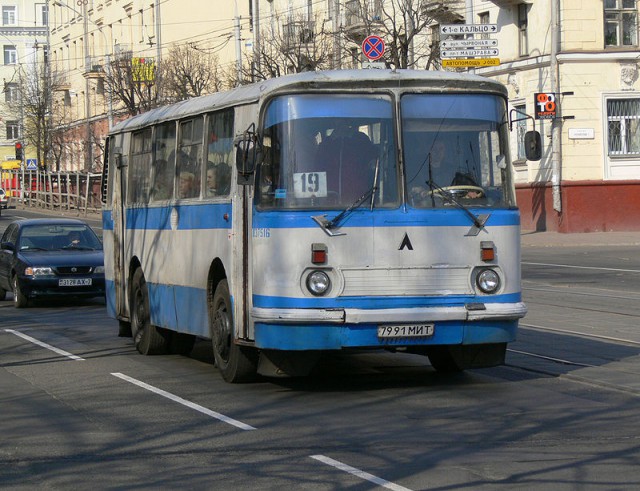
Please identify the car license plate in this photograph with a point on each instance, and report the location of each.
(406, 331)
(75, 282)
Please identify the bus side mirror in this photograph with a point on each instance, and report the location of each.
(532, 145)
(246, 156)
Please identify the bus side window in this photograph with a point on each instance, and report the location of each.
(140, 167)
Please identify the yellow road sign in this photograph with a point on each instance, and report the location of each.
(470, 62)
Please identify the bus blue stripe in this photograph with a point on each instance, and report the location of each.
(191, 217)
(386, 218)
(264, 301)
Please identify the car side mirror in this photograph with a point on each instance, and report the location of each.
(8, 246)
(532, 145)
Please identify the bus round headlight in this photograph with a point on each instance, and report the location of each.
(488, 281)
(318, 283)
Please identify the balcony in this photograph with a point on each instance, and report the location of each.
(297, 34)
(95, 69)
(359, 18)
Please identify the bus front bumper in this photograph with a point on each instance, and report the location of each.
(331, 329)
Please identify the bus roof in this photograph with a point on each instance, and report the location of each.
(335, 79)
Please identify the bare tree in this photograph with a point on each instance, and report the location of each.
(404, 25)
(190, 71)
(295, 45)
(34, 93)
(134, 82)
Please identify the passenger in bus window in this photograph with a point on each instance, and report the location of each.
(217, 179)
(349, 158)
(187, 187)
(163, 181)
(436, 167)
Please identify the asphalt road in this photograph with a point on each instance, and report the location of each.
(82, 410)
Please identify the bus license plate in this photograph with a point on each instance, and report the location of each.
(406, 331)
(75, 282)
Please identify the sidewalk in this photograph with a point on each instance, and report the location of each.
(555, 239)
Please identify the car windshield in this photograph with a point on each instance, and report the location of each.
(58, 237)
(455, 146)
(328, 151)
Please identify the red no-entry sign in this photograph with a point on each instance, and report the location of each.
(373, 47)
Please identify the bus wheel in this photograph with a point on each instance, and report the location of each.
(443, 360)
(147, 338)
(236, 363)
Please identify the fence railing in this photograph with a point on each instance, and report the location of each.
(54, 190)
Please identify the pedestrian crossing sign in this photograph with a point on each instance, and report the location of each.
(32, 164)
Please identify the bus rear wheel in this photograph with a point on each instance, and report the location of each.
(237, 364)
(147, 338)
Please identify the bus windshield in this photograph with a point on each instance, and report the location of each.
(328, 151)
(455, 146)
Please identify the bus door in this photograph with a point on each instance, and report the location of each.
(118, 163)
(240, 283)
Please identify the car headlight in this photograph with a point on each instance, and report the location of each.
(488, 281)
(38, 271)
(99, 270)
(318, 283)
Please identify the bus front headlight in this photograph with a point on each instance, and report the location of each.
(318, 283)
(488, 281)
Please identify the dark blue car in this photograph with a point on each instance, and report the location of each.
(49, 257)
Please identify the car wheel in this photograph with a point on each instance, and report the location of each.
(19, 299)
(236, 363)
(147, 338)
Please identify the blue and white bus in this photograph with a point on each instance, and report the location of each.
(319, 211)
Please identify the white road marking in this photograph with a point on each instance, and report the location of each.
(359, 473)
(584, 267)
(184, 402)
(45, 345)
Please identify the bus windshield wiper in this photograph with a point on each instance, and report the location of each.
(329, 225)
(478, 221)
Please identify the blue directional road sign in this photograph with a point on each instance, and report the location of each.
(32, 164)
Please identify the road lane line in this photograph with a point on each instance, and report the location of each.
(45, 345)
(583, 267)
(184, 402)
(359, 473)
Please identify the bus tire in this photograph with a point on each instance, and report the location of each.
(181, 343)
(237, 364)
(442, 360)
(20, 300)
(147, 338)
(124, 329)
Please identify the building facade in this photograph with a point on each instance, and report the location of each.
(585, 56)
(23, 35)
(105, 59)
(577, 57)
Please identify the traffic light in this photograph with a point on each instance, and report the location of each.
(19, 153)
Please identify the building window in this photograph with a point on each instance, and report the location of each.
(483, 18)
(42, 14)
(623, 134)
(523, 22)
(620, 23)
(11, 92)
(13, 130)
(8, 15)
(10, 55)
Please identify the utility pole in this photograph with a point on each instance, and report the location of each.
(255, 7)
(556, 123)
(238, 45)
(87, 68)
